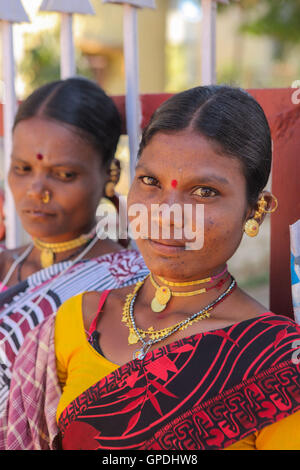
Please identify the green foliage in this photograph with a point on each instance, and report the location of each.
(278, 19)
(41, 61)
(176, 68)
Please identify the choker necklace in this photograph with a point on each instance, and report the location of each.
(193, 283)
(48, 250)
(137, 334)
(163, 293)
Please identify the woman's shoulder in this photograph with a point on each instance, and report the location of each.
(93, 301)
(272, 322)
(70, 307)
(12, 253)
(7, 257)
(86, 305)
(276, 320)
(277, 336)
(246, 308)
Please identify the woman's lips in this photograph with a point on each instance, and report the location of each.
(167, 247)
(37, 213)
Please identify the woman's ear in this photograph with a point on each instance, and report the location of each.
(271, 201)
(265, 204)
(251, 211)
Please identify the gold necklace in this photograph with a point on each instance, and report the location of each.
(133, 337)
(163, 295)
(192, 283)
(48, 250)
(137, 334)
(182, 284)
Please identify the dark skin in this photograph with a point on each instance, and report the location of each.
(203, 176)
(71, 170)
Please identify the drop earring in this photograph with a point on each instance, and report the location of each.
(251, 227)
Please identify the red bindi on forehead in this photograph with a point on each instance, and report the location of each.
(174, 183)
(40, 156)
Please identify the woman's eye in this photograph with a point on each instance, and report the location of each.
(149, 180)
(65, 175)
(21, 169)
(205, 192)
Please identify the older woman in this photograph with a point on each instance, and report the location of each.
(64, 141)
(194, 362)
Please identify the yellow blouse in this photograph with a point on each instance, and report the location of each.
(79, 366)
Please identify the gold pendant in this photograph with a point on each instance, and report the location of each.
(132, 338)
(162, 297)
(47, 258)
(156, 306)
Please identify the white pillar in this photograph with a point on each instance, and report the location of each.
(209, 10)
(209, 40)
(67, 8)
(13, 227)
(11, 11)
(133, 111)
(67, 58)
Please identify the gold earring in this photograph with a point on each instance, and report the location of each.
(273, 209)
(251, 227)
(46, 197)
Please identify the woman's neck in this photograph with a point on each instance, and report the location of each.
(205, 279)
(184, 298)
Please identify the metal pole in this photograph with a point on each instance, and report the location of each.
(209, 9)
(67, 60)
(133, 111)
(13, 226)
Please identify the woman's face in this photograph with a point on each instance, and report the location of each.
(49, 156)
(186, 169)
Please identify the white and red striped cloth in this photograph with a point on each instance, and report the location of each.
(22, 314)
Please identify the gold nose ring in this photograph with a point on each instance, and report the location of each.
(46, 197)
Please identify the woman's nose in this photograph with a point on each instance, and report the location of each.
(171, 196)
(36, 189)
(169, 211)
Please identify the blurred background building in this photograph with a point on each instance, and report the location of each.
(258, 44)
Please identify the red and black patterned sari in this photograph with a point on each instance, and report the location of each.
(206, 391)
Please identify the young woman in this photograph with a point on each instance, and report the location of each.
(193, 361)
(64, 141)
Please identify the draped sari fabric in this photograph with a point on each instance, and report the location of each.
(206, 391)
(22, 309)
